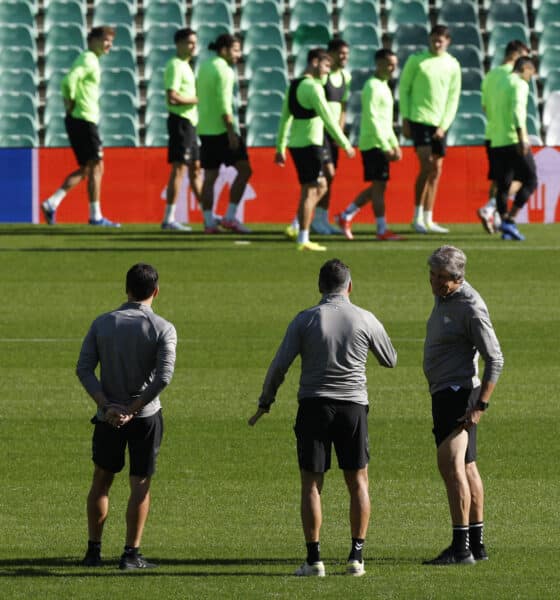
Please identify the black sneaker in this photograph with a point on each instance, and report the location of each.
(92, 559)
(450, 557)
(136, 561)
(479, 552)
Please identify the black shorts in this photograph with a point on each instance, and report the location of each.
(510, 166)
(423, 135)
(447, 407)
(215, 151)
(320, 423)
(330, 150)
(182, 146)
(491, 161)
(84, 139)
(143, 436)
(309, 163)
(376, 165)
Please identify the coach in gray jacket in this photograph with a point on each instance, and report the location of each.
(333, 340)
(458, 331)
(135, 349)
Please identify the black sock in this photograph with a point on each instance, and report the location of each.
(313, 550)
(460, 542)
(476, 534)
(356, 550)
(131, 550)
(94, 547)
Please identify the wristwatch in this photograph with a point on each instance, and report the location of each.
(482, 405)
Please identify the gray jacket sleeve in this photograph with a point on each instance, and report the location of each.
(88, 361)
(381, 346)
(484, 339)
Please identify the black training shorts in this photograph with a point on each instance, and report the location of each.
(448, 406)
(215, 151)
(320, 423)
(309, 163)
(510, 166)
(376, 165)
(84, 139)
(490, 155)
(330, 150)
(423, 135)
(182, 145)
(143, 437)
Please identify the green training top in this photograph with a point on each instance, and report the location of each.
(510, 107)
(81, 84)
(490, 84)
(178, 76)
(214, 86)
(308, 132)
(429, 89)
(339, 79)
(376, 124)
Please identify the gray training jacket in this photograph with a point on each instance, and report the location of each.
(136, 350)
(458, 330)
(333, 339)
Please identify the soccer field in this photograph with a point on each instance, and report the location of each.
(224, 521)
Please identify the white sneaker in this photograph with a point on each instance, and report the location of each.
(317, 569)
(486, 216)
(355, 568)
(175, 226)
(418, 226)
(435, 228)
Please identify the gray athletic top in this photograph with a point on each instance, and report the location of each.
(458, 330)
(333, 339)
(136, 352)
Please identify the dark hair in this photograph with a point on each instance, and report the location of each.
(100, 32)
(183, 34)
(516, 46)
(384, 54)
(225, 40)
(440, 30)
(336, 44)
(141, 281)
(334, 277)
(520, 63)
(317, 53)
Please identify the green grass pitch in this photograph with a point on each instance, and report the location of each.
(225, 517)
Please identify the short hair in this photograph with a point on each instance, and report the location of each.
(183, 34)
(100, 32)
(317, 53)
(440, 30)
(334, 277)
(451, 259)
(383, 54)
(521, 62)
(336, 44)
(516, 46)
(141, 281)
(225, 40)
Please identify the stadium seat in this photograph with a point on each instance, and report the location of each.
(470, 102)
(552, 83)
(207, 34)
(119, 130)
(125, 37)
(155, 61)
(119, 80)
(411, 35)
(264, 102)
(17, 36)
(116, 13)
(263, 36)
(18, 58)
(260, 11)
(503, 33)
(458, 11)
(467, 130)
(550, 38)
(551, 110)
(269, 79)
(362, 57)
(310, 13)
(466, 34)
(156, 130)
(56, 139)
(155, 105)
(501, 13)
(19, 126)
(118, 103)
(356, 12)
(403, 52)
(163, 12)
(359, 77)
(533, 126)
(264, 57)
(120, 57)
(17, 13)
(470, 57)
(18, 80)
(471, 79)
(61, 59)
(212, 12)
(310, 35)
(160, 35)
(262, 130)
(64, 35)
(18, 103)
(353, 109)
(407, 13)
(59, 12)
(362, 34)
(547, 14)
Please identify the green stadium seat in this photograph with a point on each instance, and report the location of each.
(33, 5)
(362, 57)
(300, 62)
(132, 5)
(159, 36)
(501, 13)
(263, 36)
(155, 105)
(120, 57)
(59, 12)
(164, 12)
(12, 126)
(117, 14)
(119, 80)
(53, 85)
(211, 12)
(471, 79)
(550, 61)
(458, 11)
(156, 131)
(264, 102)
(260, 11)
(17, 36)
(310, 13)
(18, 103)
(61, 59)
(64, 35)
(119, 130)
(18, 80)
(264, 57)
(548, 13)
(17, 13)
(362, 34)
(18, 58)
(470, 57)
(354, 109)
(19, 140)
(310, 35)
(262, 130)
(268, 78)
(470, 102)
(552, 83)
(124, 37)
(155, 61)
(533, 126)
(503, 33)
(407, 13)
(356, 12)
(550, 38)
(56, 140)
(118, 103)
(207, 34)
(467, 130)
(466, 34)
(411, 34)
(359, 78)
(403, 52)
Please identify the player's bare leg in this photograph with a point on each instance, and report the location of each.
(98, 502)
(311, 194)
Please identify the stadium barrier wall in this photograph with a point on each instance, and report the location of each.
(133, 189)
